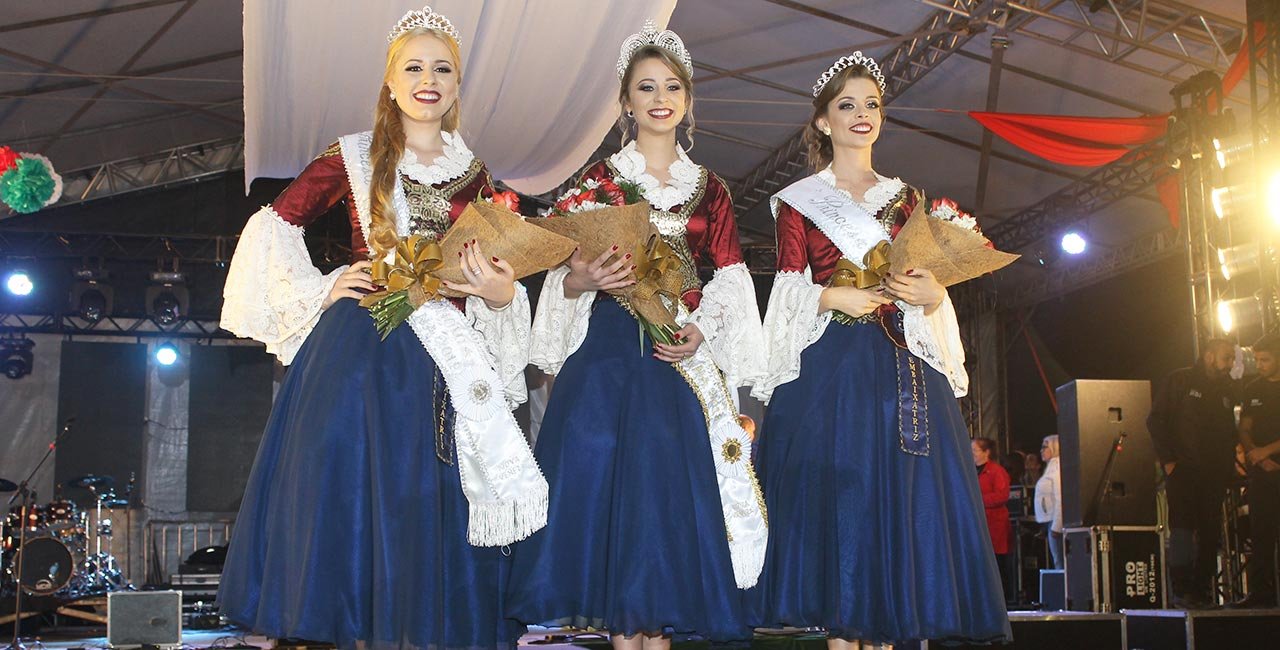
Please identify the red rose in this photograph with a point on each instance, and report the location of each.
(610, 193)
(8, 159)
(509, 200)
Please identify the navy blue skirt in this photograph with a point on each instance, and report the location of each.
(866, 540)
(635, 539)
(352, 530)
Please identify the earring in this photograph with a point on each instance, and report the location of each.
(393, 95)
(630, 114)
(826, 130)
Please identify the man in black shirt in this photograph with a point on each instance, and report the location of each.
(1192, 425)
(1260, 436)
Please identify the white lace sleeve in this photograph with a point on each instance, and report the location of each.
(730, 321)
(560, 325)
(273, 293)
(506, 336)
(936, 339)
(791, 324)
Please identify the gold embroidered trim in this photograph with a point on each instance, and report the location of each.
(334, 149)
(429, 207)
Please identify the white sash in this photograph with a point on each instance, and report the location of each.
(848, 225)
(745, 519)
(505, 490)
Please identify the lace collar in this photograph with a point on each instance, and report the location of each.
(453, 164)
(876, 197)
(685, 175)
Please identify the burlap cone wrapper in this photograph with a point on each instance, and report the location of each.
(505, 235)
(627, 227)
(422, 265)
(951, 252)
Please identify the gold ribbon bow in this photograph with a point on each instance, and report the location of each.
(416, 258)
(657, 272)
(875, 266)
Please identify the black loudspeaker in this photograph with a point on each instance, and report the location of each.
(1102, 432)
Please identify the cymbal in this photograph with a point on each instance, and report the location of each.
(7, 485)
(91, 481)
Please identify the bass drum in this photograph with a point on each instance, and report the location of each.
(47, 566)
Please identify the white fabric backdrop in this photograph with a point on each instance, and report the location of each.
(539, 85)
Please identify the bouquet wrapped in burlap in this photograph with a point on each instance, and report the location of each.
(655, 296)
(943, 240)
(422, 264)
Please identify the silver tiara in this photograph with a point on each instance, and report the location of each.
(425, 18)
(857, 58)
(649, 35)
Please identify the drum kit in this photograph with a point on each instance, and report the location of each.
(62, 551)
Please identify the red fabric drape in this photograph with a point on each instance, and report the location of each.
(1073, 140)
(1240, 65)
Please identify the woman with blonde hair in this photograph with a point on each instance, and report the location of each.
(376, 512)
(1049, 498)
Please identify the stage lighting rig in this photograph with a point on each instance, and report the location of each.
(167, 298)
(16, 357)
(92, 298)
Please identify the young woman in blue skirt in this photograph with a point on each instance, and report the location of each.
(876, 528)
(391, 473)
(655, 520)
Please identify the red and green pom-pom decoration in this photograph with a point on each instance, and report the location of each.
(27, 181)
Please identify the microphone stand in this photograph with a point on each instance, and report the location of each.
(24, 491)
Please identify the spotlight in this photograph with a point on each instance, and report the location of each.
(92, 298)
(167, 297)
(17, 357)
(1231, 200)
(19, 283)
(1239, 313)
(1237, 260)
(1230, 152)
(166, 354)
(1073, 243)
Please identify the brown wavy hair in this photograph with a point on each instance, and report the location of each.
(819, 143)
(388, 143)
(686, 80)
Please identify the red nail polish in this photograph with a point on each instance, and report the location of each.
(473, 241)
(459, 253)
(495, 260)
(628, 256)
(633, 267)
(614, 248)
(465, 245)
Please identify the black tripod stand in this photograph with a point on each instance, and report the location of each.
(24, 492)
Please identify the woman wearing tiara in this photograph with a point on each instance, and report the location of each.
(655, 518)
(381, 496)
(878, 533)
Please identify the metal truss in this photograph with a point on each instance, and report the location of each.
(1126, 177)
(110, 326)
(943, 33)
(165, 168)
(1179, 34)
(1065, 277)
(188, 249)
